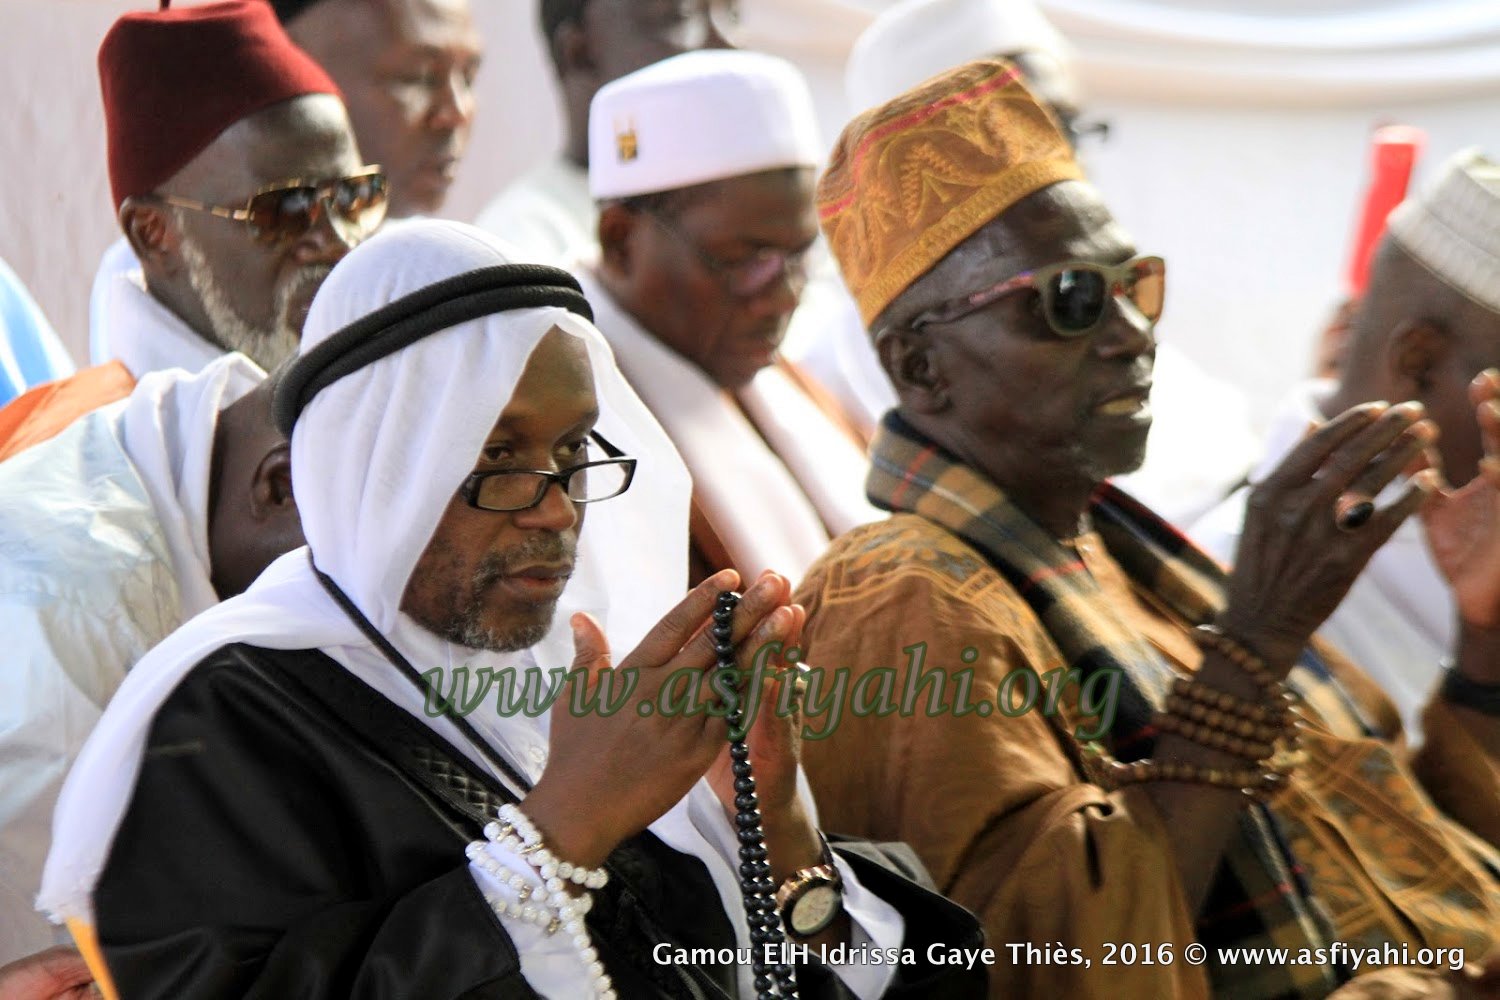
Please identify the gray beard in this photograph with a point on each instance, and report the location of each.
(266, 347)
(466, 627)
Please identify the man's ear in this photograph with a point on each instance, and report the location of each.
(153, 235)
(909, 362)
(271, 487)
(616, 226)
(1417, 349)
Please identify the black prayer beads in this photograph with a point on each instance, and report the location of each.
(772, 981)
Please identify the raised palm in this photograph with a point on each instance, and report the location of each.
(1463, 526)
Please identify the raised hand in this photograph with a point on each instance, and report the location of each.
(774, 741)
(1295, 562)
(1463, 526)
(610, 776)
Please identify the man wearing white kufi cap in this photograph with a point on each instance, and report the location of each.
(915, 40)
(703, 167)
(311, 791)
(1427, 328)
(548, 211)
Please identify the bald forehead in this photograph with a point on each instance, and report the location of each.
(345, 25)
(307, 137)
(428, 22)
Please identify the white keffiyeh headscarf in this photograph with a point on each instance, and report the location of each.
(376, 457)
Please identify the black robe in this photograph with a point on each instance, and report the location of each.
(296, 835)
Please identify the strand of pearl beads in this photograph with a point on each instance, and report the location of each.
(555, 908)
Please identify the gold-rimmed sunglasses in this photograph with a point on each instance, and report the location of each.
(287, 210)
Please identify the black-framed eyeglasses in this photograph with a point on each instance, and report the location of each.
(751, 276)
(1075, 294)
(287, 210)
(509, 490)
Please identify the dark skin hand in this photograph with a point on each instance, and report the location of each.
(775, 745)
(625, 769)
(55, 974)
(1293, 568)
(1463, 531)
(631, 769)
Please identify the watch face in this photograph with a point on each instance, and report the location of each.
(814, 909)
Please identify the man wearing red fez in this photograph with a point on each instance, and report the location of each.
(237, 183)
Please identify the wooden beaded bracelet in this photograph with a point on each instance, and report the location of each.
(1253, 782)
(1216, 739)
(1273, 713)
(1223, 722)
(1212, 637)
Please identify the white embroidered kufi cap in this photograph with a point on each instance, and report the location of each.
(916, 40)
(699, 117)
(1452, 226)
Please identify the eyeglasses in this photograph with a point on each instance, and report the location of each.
(287, 211)
(751, 276)
(508, 490)
(1074, 294)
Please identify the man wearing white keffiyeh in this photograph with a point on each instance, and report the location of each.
(271, 808)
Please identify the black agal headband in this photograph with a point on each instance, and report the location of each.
(407, 320)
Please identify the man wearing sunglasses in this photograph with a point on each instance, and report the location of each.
(1105, 738)
(703, 164)
(237, 183)
(1202, 444)
(549, 212)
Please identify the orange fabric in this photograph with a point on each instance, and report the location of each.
(88, 946)
(45, 410)
(910, 180)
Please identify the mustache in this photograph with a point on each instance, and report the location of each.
(541, 548)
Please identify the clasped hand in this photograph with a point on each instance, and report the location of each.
(609, 776)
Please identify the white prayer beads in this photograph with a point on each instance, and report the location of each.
(555, 907)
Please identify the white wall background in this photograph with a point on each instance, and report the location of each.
(1238, 148)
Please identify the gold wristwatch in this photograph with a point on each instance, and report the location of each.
(811, 898)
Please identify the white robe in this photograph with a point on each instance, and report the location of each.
(548, 213)
(776, 490)
(103, 553)
(126, 322)
(1398, 621)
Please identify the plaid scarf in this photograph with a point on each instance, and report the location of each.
(1259, 897)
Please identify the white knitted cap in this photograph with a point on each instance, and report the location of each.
(1453, 226)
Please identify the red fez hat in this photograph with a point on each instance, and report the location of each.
(174, 79)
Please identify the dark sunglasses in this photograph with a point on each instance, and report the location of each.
(1075, 294)
(288, 210)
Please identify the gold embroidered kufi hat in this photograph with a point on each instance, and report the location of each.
(911, 179)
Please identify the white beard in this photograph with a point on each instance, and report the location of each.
(267, 348)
